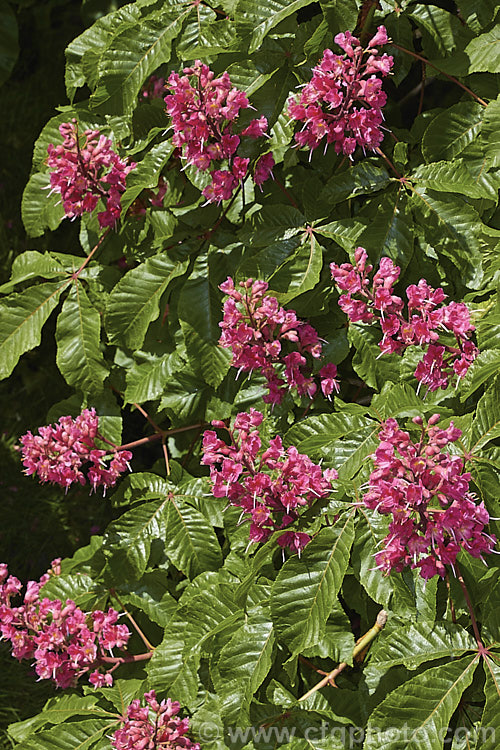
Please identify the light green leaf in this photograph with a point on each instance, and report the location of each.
(190, 542)
(135, 301)
(133, 55)
(75, 735)
(372, 367)
(490, 133)
(412, 645)
(22, 317)
(306, 588)
(78, 334)
(489, 730)
(450, 177)
(448, 134)
(484, 366)
(243, 664)
(91, 44)
(147, 381)
(486, 424)
(421, 708)
(40, 211)
(30, 265)
(484, 52)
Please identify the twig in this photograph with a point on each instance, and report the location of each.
(480, 645)
(101, 239)
(133, 622)
(450, 77)
(362, 643)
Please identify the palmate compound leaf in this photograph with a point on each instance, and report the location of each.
(305, 589)
(243, 664)
(57, 710)
(77, 735)
(134, 302)
(190, 541)
(78, 336)
(417, 713)
(489, 731)
(135, 53)
(22, 317)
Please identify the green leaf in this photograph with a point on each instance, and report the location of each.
(146, 174)
(372, 367)
(258, 17)
(345, 232)
(484, 366)
(489, 731)
(272, 223)
(135, 301)
(56, 711)
(448, 134)
(200, 312)
(190, 543)
(360, 179)
(78, 335)
(243, 665)
(453, 227)
(75, 735)
(306, 588)
(390, 230)
(133, 55)
(39, 210)
(30, 265)
(484, 52)
(22, 317)
(421, 708)
(415, 644)
(486, 424)
(442, 32)
(134, 532)
(490, 134)
(9, 47)
(344, 440)
(147, 381)
(450, 177)
(91, 43)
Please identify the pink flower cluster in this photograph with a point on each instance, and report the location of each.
(368, 300)
(426, 491)
(85, 172)
(204, 110)
(64, 642)
(255, 328)
(343, 100)
(155, 725)
(59, 452)
(270, 486)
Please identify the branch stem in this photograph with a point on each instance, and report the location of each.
(360, 646)
(450, 77)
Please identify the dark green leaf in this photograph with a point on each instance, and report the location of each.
(451, 131)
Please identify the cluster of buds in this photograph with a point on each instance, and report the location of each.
(368, 300)
(64, 642)
(426, 491)
(343, 100)
(154, 725)
(60, 453)
(270, 486)
(255, 328)
(85, 171)
(204, 111)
